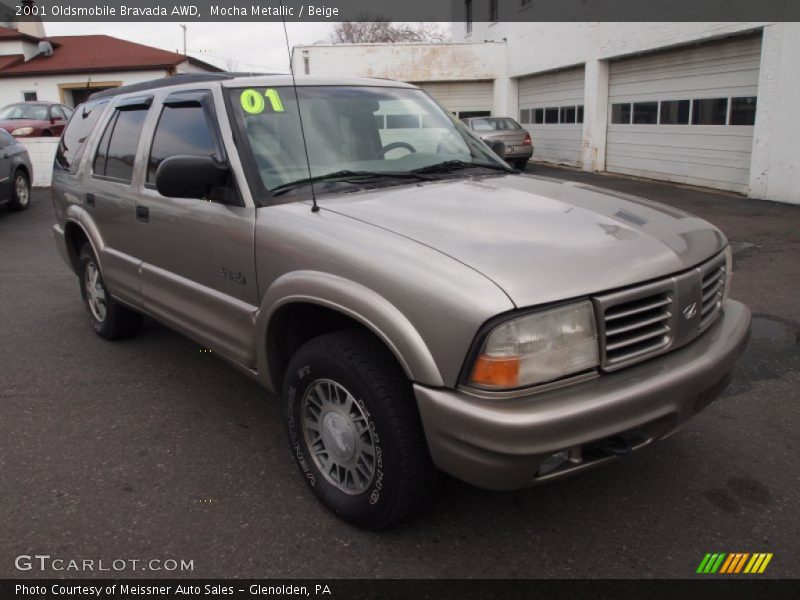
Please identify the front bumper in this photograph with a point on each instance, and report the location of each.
(501, 444)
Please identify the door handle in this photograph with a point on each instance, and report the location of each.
(142, 214)
(90, 200)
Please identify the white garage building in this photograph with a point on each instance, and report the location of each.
(710, 104)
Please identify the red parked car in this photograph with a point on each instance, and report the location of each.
(34, 119)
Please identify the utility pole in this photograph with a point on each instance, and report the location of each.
(184, 39)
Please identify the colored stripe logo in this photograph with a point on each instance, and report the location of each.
(734, 563)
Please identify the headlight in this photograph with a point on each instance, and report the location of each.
(728, 272)
(538, 347)
(23, 131)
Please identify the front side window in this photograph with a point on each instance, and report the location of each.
(73, 142)
(33, 112)
(5, 139)
(117, 150)
(363, 130)
(181, 130)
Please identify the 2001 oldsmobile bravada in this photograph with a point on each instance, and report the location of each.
(438, 311)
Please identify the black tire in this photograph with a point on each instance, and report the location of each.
(20, 197)
(118, 321)
(405, 480)
(521, 163)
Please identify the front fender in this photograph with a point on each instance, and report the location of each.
(358, 302)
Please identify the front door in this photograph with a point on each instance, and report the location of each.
(198, 265)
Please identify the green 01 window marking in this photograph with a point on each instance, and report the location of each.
(253, 102)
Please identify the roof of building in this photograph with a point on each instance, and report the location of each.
(93, 53)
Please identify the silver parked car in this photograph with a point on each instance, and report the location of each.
(417, 305)
(517, 146)
(16, 173)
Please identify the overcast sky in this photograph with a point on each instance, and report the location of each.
(248, 46)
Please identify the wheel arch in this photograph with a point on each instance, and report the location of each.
(338, 301)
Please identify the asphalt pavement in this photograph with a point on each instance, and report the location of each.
(152, 449)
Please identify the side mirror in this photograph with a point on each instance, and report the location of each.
(190, 176)
(497, 146)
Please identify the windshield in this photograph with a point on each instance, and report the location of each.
(35, 112)
(495, 124)
(351, 131)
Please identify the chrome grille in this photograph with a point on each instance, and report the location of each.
(637, 328)
(635, 323)
(714, 275)
(640, 322)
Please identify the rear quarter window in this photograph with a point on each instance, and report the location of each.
(80, 127)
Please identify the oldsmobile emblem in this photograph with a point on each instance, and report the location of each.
(690, 311)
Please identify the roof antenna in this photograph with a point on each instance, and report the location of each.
(315, 207)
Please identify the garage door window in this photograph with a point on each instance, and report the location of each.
(709, 111)
(579, 114)
(621, 113)
(551, 115)
(675, 112)
(645, 113)
(567, 114)
(743, 111)
(538, 116)
(525, 115)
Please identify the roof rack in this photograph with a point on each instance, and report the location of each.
(167, 82)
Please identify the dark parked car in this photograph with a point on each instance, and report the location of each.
(517, 141)
(34, 119)
(16, 173)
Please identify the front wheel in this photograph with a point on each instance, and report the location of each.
(355, 431)
(21, 192)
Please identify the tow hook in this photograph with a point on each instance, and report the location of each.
(617, 445)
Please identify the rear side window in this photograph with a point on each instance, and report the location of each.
(73, 142)
(181, 130)
(117, 149)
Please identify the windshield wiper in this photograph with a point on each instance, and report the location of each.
(347, 175)
(455, 165)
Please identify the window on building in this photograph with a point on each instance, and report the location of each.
(72, 143)
(674, 112)
(709, 111)
(306, 65)
(30, 96)
(579, 114)
(117, 149)
(551, 115)
(645, 113)
(468, 15)
(621, 113)
(181, 130)
(492, 11)
(743, 111)
(538, 115)
(525, 115)
(567, 114)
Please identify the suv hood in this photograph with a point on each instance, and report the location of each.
(539, 240)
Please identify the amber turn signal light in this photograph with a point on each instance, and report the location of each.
(496, 372)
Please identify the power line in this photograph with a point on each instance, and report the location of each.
(228, 58)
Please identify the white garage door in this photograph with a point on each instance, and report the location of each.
(686, 115)
(551, 109)
(464, 98)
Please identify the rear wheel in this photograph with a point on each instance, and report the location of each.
(109, 319)
(355, 431)
(521, 163)
(20, 191)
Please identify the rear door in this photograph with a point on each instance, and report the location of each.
(198, 264)
(109, 197)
